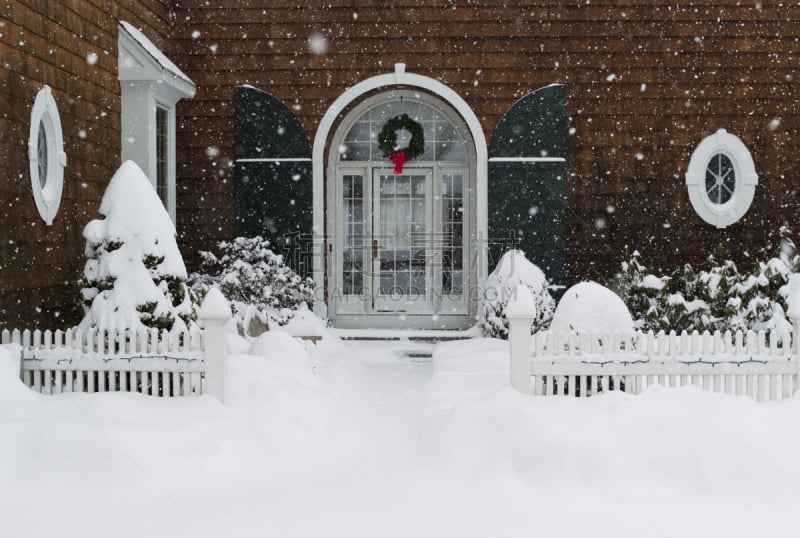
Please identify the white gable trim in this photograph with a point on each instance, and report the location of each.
(140, 59)
(398, 78)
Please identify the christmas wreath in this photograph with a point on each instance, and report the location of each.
(387, 141)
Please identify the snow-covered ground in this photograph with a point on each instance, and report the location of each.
(353, 439)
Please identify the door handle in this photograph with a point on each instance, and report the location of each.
(374, 248)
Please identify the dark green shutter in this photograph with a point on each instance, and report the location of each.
(527, 197)
(274, 189)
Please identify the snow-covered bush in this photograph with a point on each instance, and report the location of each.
(588, 307)
(513, 269)
(641, 291)
(135, 277)
(715, 296)
(261, 288)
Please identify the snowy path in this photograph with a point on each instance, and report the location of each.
(356, 440)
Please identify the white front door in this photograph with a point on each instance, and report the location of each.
(400, 248)
(402, 225)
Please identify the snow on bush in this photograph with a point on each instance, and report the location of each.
(715, 296)
(261, 288)
(512, 270)
(135, 277)
(588, 307)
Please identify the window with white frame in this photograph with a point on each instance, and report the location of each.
(151, 86)
(162, 155)
(721, 179)
(46, 155)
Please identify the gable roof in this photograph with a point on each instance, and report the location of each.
(141, 59)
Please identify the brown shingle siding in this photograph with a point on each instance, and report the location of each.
(48, 43)
(645, 82)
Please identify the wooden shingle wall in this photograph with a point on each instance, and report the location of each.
(645, 83)
(48, 42)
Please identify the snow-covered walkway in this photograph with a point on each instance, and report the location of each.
(354, 439)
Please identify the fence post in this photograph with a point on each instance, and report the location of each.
(214, 314)
(794, 317)
(520, 312)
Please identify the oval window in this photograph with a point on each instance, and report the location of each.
(46, 155)
(721, 179)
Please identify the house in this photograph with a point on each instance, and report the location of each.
(569, 130)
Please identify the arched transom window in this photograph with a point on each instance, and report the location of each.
(442, 140)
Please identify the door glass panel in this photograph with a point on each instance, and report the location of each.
(452, 234)
(402, 260)
(353, 255)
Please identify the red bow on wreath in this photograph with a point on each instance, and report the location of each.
(399, 160)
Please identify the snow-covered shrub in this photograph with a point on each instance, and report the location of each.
(135, 277)
(641, 291)
(261, 288)
(513, 269)
(716, 296)
(588, 307)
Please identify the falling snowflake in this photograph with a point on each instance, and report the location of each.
(318, 44)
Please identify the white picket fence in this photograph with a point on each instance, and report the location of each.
(758, 364)
(149, 362)
(154, 363)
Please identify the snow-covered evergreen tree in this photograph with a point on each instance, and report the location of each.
(135, 277)
(642, 292)
(718, 296)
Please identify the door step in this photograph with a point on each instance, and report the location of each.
(417, 345)
(420, 335)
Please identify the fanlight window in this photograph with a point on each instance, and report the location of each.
(442, 141)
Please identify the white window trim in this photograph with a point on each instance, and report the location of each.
(722, 215)
(399, 78)
(149, 80)
(45, 114)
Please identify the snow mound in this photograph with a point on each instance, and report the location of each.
(473, 356)
(590, 307)
(11, 387)
(287, 356)
(303, 323)
(280, 384)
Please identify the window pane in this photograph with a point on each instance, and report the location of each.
(42, 154)
(353, 243)
(720, 179)
(162, 138)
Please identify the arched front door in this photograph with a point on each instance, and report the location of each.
(400, 254)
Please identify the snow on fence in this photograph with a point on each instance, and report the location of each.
(153, 362)
(150, 362)
(765, 366)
